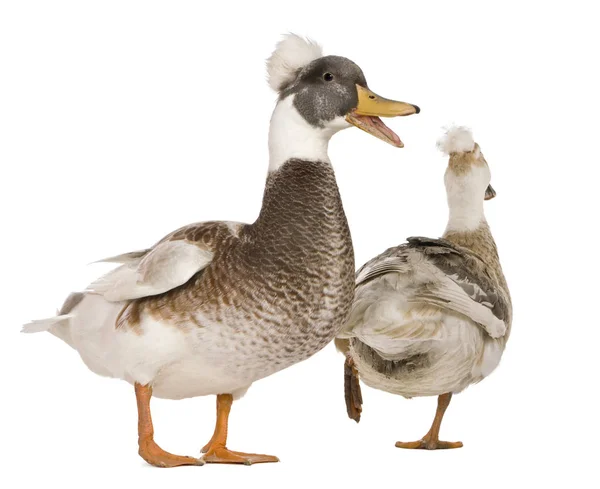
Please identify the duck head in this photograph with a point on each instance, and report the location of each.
(467, 178)
(320, 95)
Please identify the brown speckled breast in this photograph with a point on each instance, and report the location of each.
(276, 291)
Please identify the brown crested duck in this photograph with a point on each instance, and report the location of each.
(215, 306)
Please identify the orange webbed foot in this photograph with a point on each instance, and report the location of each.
(431, 441)
(429, 444)
(222, 455)
(156, 456)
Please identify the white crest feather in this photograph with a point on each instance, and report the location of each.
(457, 139)
(291, 54)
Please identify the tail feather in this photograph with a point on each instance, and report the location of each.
(39, 325)
(352, 390)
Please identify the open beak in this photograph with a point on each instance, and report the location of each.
(370, 107)
(490, 193)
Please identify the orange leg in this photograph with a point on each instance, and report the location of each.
(148, 449)
(216, 452)
(431, 441)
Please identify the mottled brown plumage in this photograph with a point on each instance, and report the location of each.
(282, 287)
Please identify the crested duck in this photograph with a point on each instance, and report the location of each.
(432, 316)
(215, 306)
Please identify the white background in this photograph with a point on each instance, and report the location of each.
(121, 121)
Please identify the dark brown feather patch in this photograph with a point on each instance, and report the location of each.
(352, 390)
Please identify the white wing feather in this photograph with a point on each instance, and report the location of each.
(168, 265)
(125, 257)
(393, 311)
(449, 295)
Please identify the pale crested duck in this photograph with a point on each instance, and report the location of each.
(432, 316)
(215, 306)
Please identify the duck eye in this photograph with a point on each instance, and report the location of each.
(327, 77)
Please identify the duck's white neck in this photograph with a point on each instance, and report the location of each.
(291, 136)
(464, 215)
(465, 202)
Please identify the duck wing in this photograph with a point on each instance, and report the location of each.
(168, 264)
(402, 294)
(466, 286)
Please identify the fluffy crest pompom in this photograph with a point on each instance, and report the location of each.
(457, 139)
(291, 54)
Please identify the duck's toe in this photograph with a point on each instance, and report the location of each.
(429, 444)
(158, 457)
(222, 455)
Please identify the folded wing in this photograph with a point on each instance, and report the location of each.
(168, 265)
(403, 294)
